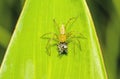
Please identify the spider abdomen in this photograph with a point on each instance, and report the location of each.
(62, 48)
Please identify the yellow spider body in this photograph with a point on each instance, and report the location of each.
(62, 36)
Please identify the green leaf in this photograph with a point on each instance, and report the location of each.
(26, 56)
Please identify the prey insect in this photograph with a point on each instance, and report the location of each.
(63, 38)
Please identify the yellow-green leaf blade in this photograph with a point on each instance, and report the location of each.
(26, 57)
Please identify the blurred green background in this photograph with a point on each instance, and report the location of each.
(106, 17)
(9, 13)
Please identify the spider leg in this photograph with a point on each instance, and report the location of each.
(79, 44)
(75, 42)
(74, 48)
(72, 41)
(56, 24)
(73, 18)
(49, 45)
(53, 37)
(74, 34)
(46, 36)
